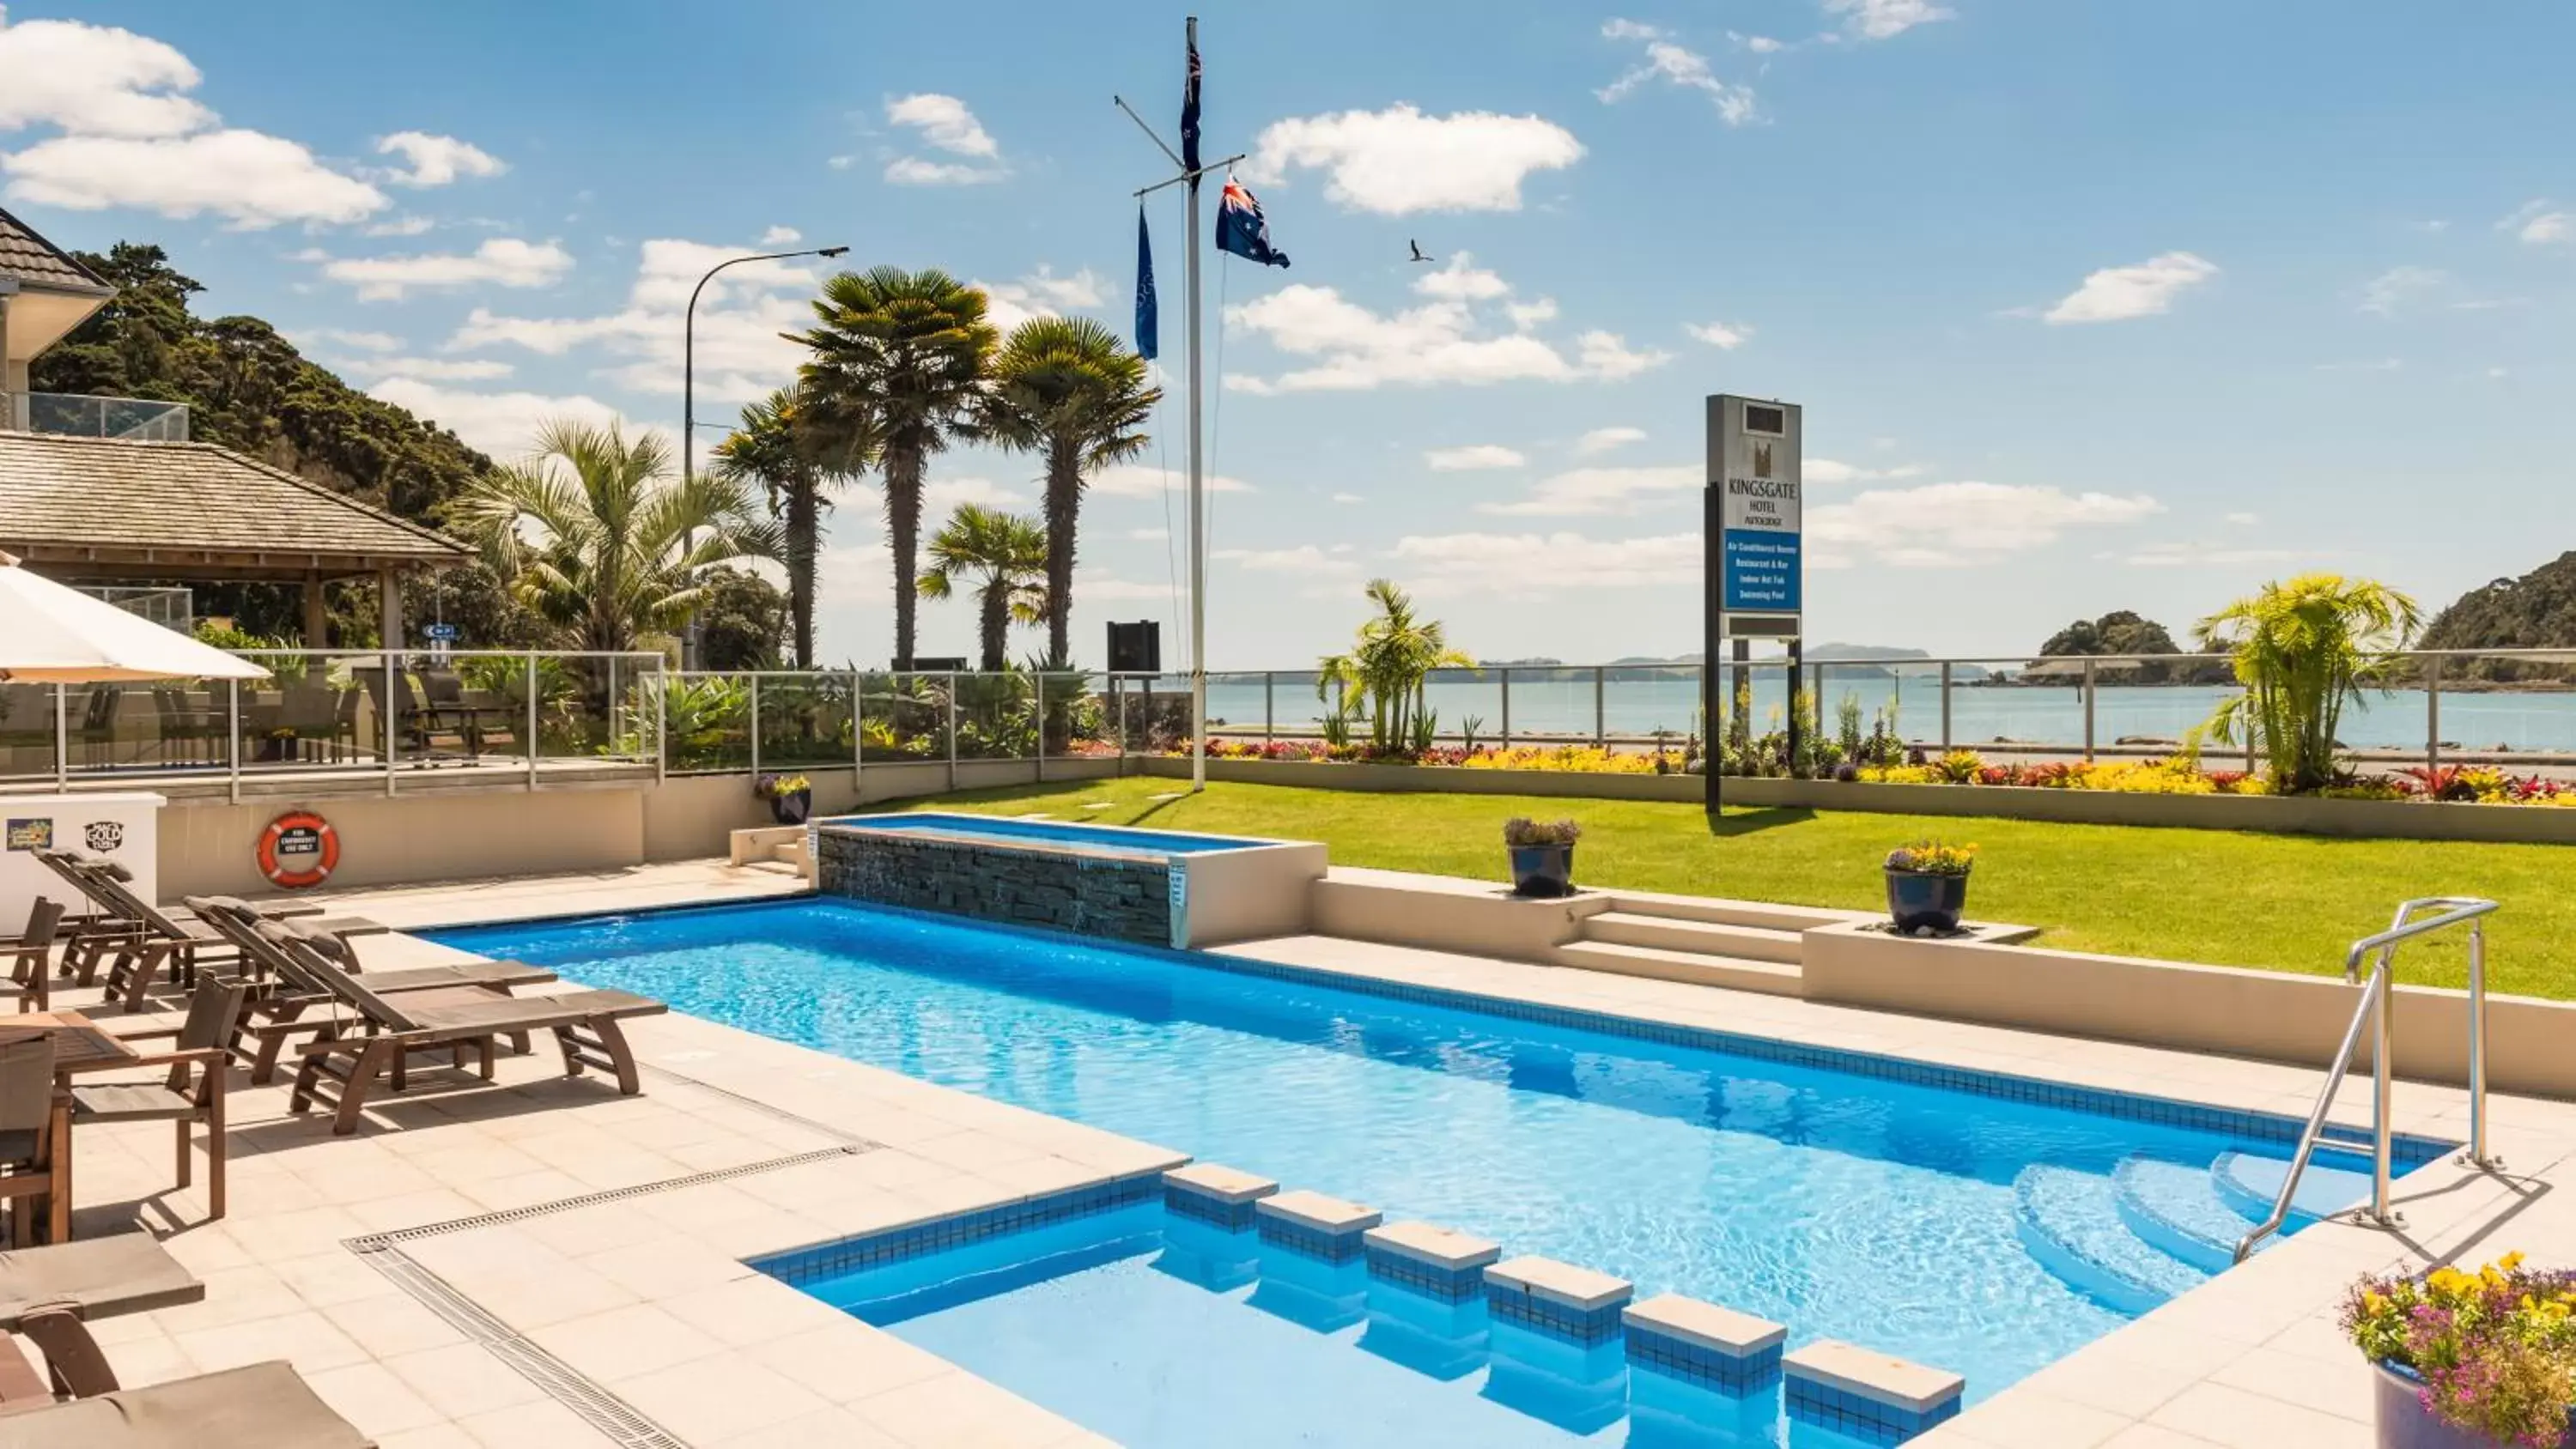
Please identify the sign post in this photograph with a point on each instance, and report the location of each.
(1753, 520)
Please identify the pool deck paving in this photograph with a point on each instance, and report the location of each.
(546, 1263)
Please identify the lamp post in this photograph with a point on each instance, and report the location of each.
(689, 390)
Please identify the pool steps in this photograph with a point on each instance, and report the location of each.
(1736, 945)
(2333, 1182)
(1446, 1302)
(2069, 1224)
(2151, 1229)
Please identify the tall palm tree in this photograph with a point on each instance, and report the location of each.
(1390, 664)
(595, 535)
(1009, 551)
(2303, 650)
(1070, 390)
(897, 356)
(777, 447)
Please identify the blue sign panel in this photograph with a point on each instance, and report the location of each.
(1761, 571)
(440, 633)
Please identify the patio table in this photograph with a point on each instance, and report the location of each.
(80, 1046)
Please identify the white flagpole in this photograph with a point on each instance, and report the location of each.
(1198, 502)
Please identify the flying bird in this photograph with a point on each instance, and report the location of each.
(1417, 250)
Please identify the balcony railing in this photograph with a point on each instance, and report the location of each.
(132, 419)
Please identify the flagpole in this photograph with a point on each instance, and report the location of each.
(1198, 497)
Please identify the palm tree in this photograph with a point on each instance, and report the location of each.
(897, 356)
(1390, 665)
(1069, 389)
(2303, 650)
(595, 535)
(776, 447)
(1010, 551)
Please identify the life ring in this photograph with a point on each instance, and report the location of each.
(299, 849)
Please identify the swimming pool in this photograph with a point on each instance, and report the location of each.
(1046, 832)
(1982, 1225)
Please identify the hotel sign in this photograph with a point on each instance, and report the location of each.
(1754, 472)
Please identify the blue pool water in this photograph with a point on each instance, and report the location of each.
(1970, 1231)
(1060, 832)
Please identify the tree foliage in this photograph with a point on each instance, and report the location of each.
(777, 448)
(1388, 668)
(2536, 611)
(1004, 557)
(741, 620)
(2303, 650)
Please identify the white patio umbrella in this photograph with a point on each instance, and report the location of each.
(50, 634)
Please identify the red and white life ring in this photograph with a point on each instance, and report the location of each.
(299, 849)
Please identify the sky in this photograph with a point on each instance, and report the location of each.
(2089, 306)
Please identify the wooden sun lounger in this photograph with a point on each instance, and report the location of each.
(584, 1023)
(50, 1294)
(138, 955)
(260, 1406)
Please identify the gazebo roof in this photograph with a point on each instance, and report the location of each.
(110, 508)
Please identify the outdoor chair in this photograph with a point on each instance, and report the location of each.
(31, 963)
(26, 1131)
(199, 1053)
(136, 960)
(484, 714)
(584, 1023)
(259, 1406)
(87, 935)
(51, 1294)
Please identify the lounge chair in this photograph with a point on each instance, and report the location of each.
(50, 1294)
(199, 1051)
(280, 1013)
(31, 958)
(259, 1406)
(27, 1169)
(585, 1025)
(135, 961)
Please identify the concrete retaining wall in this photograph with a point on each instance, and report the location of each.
(2385, 819)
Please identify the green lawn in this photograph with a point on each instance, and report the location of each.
(2290, 903)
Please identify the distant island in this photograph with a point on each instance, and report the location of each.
(2535, 611)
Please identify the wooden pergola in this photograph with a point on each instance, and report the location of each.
(106, 510)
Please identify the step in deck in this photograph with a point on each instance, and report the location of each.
(1707, 938)
(1762, 914)
(1735, 973)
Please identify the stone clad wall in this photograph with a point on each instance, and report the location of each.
(1088, 895)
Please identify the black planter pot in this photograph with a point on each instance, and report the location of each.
(1542, 870)
(791, 809)
(1916, 901)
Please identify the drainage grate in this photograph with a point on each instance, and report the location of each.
(372, 1241)
(612, 1416)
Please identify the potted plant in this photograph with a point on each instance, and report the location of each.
(790, 797)
(1542, 855)
(1927, 886)
(2469, 1360)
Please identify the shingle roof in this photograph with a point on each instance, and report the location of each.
(191, 510)
(35, 261)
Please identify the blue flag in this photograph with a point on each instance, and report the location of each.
(1190, 111)
(1241, 228)
(1147, 340)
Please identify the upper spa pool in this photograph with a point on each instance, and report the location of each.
(1984, 1225)
(1044, 832)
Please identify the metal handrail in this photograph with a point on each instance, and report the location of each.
(2374, 1009)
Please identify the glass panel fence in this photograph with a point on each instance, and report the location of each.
(26, 732)
(706, 722)
(805, 720)
(1462, 707)
(1239, 706)
(902, 717)
(1078, 722)
(1551, 707)
(997, 716)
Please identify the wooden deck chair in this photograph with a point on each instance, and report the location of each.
(31, 959)
(258, 1406)
(199, 1051)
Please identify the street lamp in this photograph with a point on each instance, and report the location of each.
(689, 385)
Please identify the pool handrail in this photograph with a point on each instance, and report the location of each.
(2375, 1009)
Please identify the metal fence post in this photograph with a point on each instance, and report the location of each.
(1601, 706)
(2088, 711)
(1507, 708)
(754, 677)
(393, 737)
(858, 733)
(1945, 706)
(952, 731)
(616, 706)
(661, 720)
(62, 742)
(232, 751)
(1269, 705)
(532, 719)
(1039, 679)
(2433, 712)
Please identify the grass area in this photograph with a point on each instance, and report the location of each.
(2234, 898)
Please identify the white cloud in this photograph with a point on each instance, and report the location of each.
(2538, 222)
(499, 262)
(1667, 61)
(503, 424)
(436, 369)
(781, 236)
(2393, 288)
(93, 80)
(1041, 294)
(1135, 480)
(2547, 227)
(2117, 294)
(1829, 472)
(363, 341)
(2375, 364)
(436, 160)
(1941, 525)
(1526, 315)
(1602, 440)
(2243, 520)
(1879, 19)
(1440, 341)
(1149, 535)
(1471, 457)
(942, 495)
(740, 352)
(400, 226)
(1399, 161)
(944, 122)
(1607, 355)
(1461, 281)
(1725, 337)
(1603, 490)
(1534, 565)
(1350, 498)
(1758, 44)
(2207, 555)
(251, 179)
(913, 171)
(1302, 559)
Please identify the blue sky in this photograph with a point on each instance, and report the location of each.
(2089, 306)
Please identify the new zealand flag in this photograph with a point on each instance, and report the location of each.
(1190, 112)
(1241, 228)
